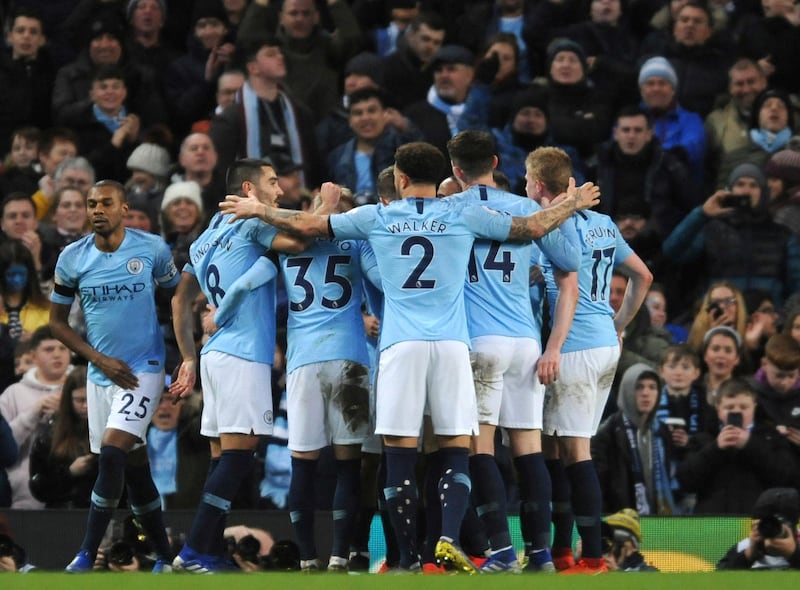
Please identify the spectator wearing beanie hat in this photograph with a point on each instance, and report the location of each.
(364, 70)
(679, 131)
(771, 127)
(783, 179)
(527, 128)
(623, 534)
(149, 164)
(182, 213)
(105, 44)
(701, 57)
(579, 115)
(738, 243)
(191, 80)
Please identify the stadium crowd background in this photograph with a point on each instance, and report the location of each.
(660, 103)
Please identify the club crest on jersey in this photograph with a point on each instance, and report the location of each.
(268, 417)
(135, 266)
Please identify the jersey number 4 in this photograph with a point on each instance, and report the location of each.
(502, 263)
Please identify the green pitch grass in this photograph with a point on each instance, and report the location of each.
(297, 581)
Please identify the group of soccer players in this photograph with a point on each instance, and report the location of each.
(457, 275)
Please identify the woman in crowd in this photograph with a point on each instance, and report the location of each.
(63, 470)
(24, 306)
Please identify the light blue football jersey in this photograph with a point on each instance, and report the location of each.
(422, 247)
(218, 257)
(603, 249)
(324, 288)
(536, 287)
(117, 294)
(497, 290)
(373, 300)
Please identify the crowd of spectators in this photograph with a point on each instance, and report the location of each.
(682, 111)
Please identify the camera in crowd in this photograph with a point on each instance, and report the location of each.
(247, 548)
(283, 556)
(736, 201)
(8, 548)
(121, 554)
(771, 526)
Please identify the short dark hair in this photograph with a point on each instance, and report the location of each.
(473, 151)
(702, 5)
(246, 169)
(41, 334)
(422, 162)
(385, 184)
(430, 19)
(364, 94)
(16, 196)
(506, 38)
(251, 48)
(109, 72)
(51, 136)
(117, 186)
(501, 181)
(27, 12)
(735, 386)
(634, 110)
(680, 352)
(28, 133)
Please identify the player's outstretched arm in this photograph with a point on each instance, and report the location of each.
(536, 225)
(183, 325)
(115, 369)
(640, 279)
(300, 223)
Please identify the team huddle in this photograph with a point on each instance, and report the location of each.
(458, 285)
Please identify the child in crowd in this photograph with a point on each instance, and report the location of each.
(680, 398)
(21, 168)
(729, 470)
(778, 387)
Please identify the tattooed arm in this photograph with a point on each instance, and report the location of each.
(299, 223)
(536, 225)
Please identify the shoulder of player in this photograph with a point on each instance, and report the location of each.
(137, 236)
(78, 245)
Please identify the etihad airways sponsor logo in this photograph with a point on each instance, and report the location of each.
(121, 292)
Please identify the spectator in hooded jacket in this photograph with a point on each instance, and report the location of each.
(632, 448)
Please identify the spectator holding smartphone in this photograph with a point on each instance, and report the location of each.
(777, 387)
(737, 240)
(729, 471)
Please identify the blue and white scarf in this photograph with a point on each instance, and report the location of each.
(110, 123)
(451, 111)
(252, 125)
(771, 142)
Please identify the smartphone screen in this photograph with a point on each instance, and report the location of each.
(735, 419)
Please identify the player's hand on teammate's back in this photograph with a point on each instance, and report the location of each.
(118, 371)
(586, 196)
(241, 207)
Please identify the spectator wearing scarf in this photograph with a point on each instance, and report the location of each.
(632, 449)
